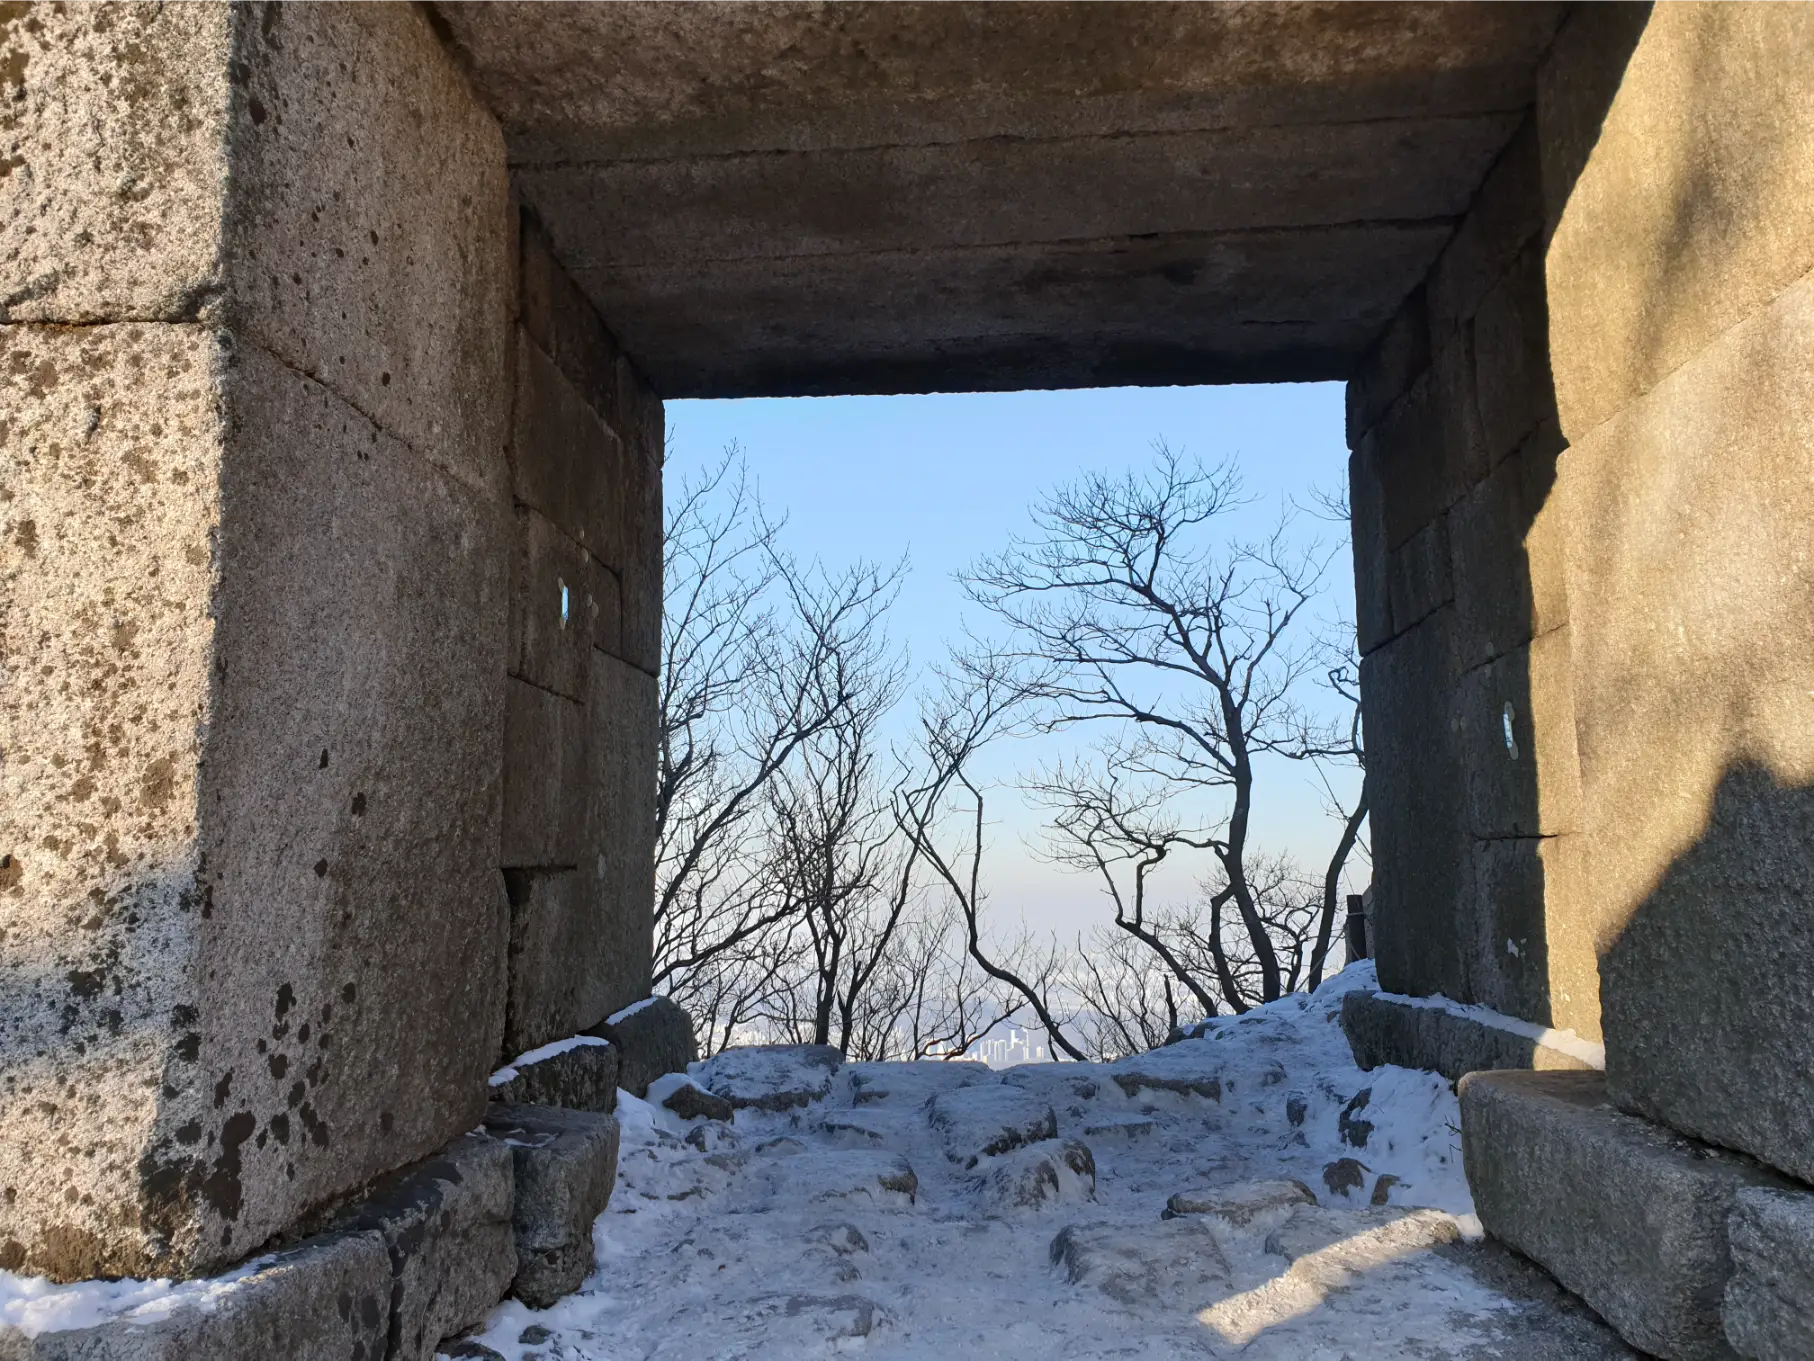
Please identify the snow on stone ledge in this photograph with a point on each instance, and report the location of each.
(1562, 1041)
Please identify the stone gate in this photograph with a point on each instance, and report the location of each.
(335, 339)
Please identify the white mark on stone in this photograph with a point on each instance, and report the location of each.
(1511, 742)
(564, 605)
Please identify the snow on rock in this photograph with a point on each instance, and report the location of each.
(679, 1093)
(777, 1237)
(1265, 1204)
(880, 1179)
(1116, 1128)
(1187, 1068)
(770, 1077)
(912, 1084)
(980, 1122)
(1175, 1261)
(1038, 1177)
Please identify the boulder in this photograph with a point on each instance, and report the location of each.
(1143, 1264)
(1187, 1068)
(565, 1162)
(982, 1122)
(884, 1180)
(579, 1074)
(653, 1037)
(770, 1077)
(1053, 1172)
(1254, 1205)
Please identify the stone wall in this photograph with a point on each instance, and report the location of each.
(1585, 574)
(586, 450)
(1681, 282)
(1579, 470)
(1463, 608)
(253, 599)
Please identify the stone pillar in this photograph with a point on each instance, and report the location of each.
(585, 618)
(255, 273)
(1463, 608)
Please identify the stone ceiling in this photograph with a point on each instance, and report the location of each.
(802, 198)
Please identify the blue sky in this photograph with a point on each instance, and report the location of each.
(943, 478)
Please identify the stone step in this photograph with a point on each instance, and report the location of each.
(1627, 1214)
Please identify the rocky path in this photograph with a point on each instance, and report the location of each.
(1247, 1193)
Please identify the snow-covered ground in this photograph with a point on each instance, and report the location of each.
(904, 1215)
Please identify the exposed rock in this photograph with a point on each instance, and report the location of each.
(1057, 1081)
(446, 1224)
(911, 1084)
(329, 1298)
(1245, 1205)
(1769, 1306)
(884, 1180)
(1345, 1175)
(857, 1128)
(653, 1037)
(1188, 1068)
(1141, 1264)
(980, 1122)
(771, 1077)
(1353, 1130)
(581, 1077)
(1119, 1129)
(687, 1099)
(1054, 1172)
(566, 1166)
(846, 1240)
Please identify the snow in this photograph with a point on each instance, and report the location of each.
(508, 1072)
(793, 1233)
(1563, 1041)
(619, 1017)
(32, 1305)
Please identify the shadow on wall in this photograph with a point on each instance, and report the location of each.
(1681, 289)
(1710, 985)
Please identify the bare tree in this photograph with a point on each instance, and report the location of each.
(942, 817)
(761, 656)
(1128, 607)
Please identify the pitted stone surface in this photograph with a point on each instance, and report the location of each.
(771, 1077)
(981, 1122)
(277, 1060)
